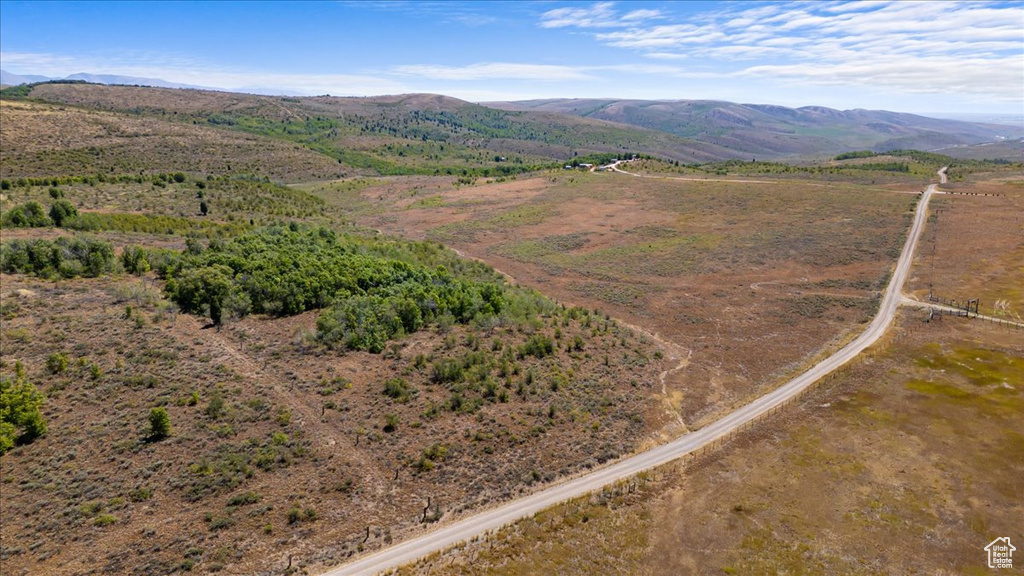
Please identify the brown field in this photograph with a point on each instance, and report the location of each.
(722, 272)
(300, 440)
(909, 460)
(974, 247)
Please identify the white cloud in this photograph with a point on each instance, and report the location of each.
(495, 70)
(837, 7)
(600, 15)
(917, 76)
(974, 48)
(663, 36)
(638, 15)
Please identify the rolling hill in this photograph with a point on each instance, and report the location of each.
(325, 137)
(405, 134)
(776, 131)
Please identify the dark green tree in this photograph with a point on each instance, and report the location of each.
(202, 289)
(20, 418)
(159, 424)
(27, 215)
(61, 211)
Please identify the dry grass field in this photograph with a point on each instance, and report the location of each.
(974, 247)
(909, 460)
(744, 282)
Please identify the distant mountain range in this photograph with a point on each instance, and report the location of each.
(11, 79)
(777, 130)
(424, 133)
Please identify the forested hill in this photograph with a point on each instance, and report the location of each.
(310, 138)
(772, 131)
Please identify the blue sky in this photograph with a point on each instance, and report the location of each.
(905, 56)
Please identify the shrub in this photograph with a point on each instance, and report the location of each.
(245, 498)
(296, 514)
(398, 389)
(538, 345)
(61, 211)
(20, 417)
(159, 424)
(577, 344)
(56, 363)
(27, 215)
(221, 523)
(446, 370)
(104, 520)
(215, 407)
(67, 257)
(431, 455)
(140, 494)
(135, 260)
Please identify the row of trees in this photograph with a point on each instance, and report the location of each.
(91, 180)
(33, 215)
(63, 257)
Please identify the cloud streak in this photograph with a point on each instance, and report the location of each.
(496, 71)
(911, 47)
(600, 15)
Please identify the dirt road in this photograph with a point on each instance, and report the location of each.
(509, 512)
(614, 167)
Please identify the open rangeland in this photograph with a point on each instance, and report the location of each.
(974, 246)
(42, 139)
(908, 460)
(259, 433)
(746, 283)
(279, 444)
(279, 448)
